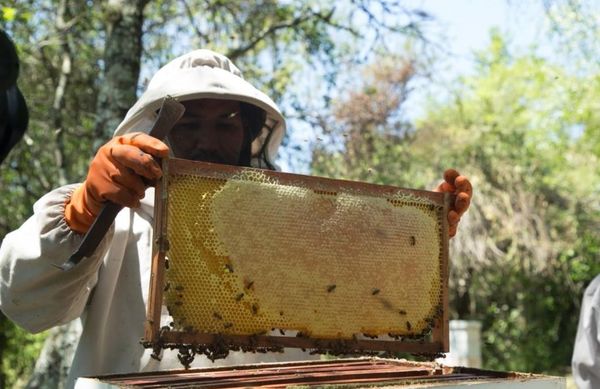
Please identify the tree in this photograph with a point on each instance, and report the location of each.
(122, 61)
(367, 140)
(515, 128)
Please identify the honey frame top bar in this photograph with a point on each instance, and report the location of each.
(206, 169)
(158, 337)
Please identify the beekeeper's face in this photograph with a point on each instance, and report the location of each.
(211, 130)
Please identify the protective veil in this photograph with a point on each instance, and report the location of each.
(206, 74)
(108, 291)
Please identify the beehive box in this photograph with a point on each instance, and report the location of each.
(345, 373)
(259, 259)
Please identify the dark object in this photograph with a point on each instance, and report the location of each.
(253, 119)
(170, 112)
(9, 62)
(14, 115)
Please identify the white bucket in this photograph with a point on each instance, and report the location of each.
(465, 344)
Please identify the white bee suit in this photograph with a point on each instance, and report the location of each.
(108, 291)
(586, 354)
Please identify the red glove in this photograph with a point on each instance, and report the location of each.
(461, 187)
(116, 174)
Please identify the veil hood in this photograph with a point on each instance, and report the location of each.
(204, 74)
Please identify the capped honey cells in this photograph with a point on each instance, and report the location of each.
(248, 254)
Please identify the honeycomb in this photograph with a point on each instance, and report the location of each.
(248, 254)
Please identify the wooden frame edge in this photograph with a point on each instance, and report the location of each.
(159, 249)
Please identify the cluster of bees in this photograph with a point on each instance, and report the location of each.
(220, 348)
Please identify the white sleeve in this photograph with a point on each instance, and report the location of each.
(33, 293)
(586, 354)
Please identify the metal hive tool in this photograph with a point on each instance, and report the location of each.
(253, 259)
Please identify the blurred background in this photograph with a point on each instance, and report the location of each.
(382, 91)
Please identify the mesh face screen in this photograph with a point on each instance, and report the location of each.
(248, 254)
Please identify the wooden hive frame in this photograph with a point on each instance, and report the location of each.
(157, 336)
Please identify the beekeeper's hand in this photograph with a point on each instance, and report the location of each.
(461, 187)
(116, 174)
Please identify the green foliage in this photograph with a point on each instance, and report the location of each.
(515, 129)
(17, 365)
(8, 14)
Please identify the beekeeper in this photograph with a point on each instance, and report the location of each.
(586, 354)
(228, 121)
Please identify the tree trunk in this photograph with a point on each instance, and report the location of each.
(3, 324)
(62, 25)
(56, 357)
(122, 57)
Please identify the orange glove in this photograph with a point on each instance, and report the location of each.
(461, 187)
(116, 173)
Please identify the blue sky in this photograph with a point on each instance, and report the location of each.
(463, 27)
(467, 22)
